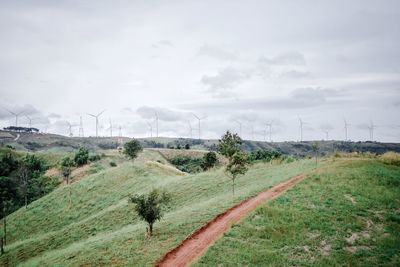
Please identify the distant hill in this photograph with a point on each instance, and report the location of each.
(59, 143)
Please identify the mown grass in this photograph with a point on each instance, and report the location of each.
(100, 228)
(346, 214)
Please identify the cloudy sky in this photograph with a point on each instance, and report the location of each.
(229, 62)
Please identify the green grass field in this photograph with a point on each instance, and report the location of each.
(346, 214)
(100, 228)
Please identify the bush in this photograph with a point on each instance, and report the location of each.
(93, 158)
(82, 156)
(132, 148)
(264, 155)
(209, 160)
(391, 158)
(113, 164)
(187, 164)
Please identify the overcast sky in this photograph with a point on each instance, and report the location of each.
(247, 61)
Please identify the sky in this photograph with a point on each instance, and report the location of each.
(231, 63)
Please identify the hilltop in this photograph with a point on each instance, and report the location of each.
(59, 143)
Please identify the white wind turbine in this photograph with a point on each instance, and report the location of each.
(199, 120)
(16, 114)
(346, 127)
(97, 120)
(269, 125)
(240, 127)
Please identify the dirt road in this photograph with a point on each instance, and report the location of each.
(196, 244)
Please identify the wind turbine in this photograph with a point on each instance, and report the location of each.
(191, 129)
(270, 130)
(97, 120)
(80, 127)
(16, 116)
(240, 127)
(70, 128)
(30, 121)
(301, 128)
(156, 115)
(199, 119)
(252, 132)
(346, 126)
(110, 128)
(371, 129)
(151, 128)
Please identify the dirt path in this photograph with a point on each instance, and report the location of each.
(197, 243)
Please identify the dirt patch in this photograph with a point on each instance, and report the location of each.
(197, 243)
(351, 199)
(325, 248)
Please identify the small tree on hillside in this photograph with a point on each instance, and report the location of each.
(229, 144)
(82, 156)
(132, 148)
(66, 167)
(315, 149)
(8, 192)
(150, 207)
(230, 147)
(209, 160)
(237, 166)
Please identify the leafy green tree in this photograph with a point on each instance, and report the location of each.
(229, 144)
(8, 164)
(150, 207)
(209, 160)
(132, 148)
(238, 165)
(8, 193)
(82, 156)
(66, 167)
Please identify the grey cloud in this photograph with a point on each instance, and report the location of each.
(162, 43)
(217, 53)
(54, 116)
(289, 58)
(294, 74)
(220, 83)
(164, 114)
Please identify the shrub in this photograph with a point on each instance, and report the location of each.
(132, 148)
(264, 155)
(209, 160)
(391, 158)
(113, 164)
(82, 156)
(187, 164)
(95, 157)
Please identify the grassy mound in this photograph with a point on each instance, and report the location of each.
(347, 214)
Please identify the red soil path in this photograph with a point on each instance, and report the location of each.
(197, 243)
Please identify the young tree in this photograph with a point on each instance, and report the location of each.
(8, 192)
(24, 179)
(209, 160)
(66, 167)
(230, 147)
(229, 144)
(237, 166)
(132, 148)
(82, 156)
(150, 207)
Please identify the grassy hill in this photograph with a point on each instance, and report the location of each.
(346, 214)
(99, 227)
(61, 144)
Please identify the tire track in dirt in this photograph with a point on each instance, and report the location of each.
(195, 245)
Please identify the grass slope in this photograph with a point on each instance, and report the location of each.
(100, 228)
(347, 214)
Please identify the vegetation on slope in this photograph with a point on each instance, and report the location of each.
(101, 228)
(345, 214)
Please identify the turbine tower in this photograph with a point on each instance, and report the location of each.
(97, 121)
(16, 116)
(269, 125)
(30, 121)
(80, 127)
(156, 115)
(70, 126)
(199, 119)
(191, 129)
(371, 129)
(301, 129)
(240, 127)
(346, 127)
(151, 128)
(110, 128)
